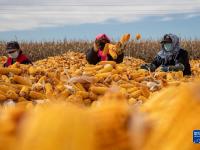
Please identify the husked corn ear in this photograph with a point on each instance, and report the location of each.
(11, 95)
(98, 90)
(32, 70)
(48, 88)
(128, 86)
(42, 80)
(80, 86)
(5, 88)
(145, 91)
(113, 53)
(138, 36)
(103, 75)
(112, 49)
(125, 38)
(106, 68)
(22, 80)
(136, 94)
(36, 95)
(139, 79)
(92, 68)
(24, 91)
(83, 94)
(5, 71)
(106, 49)
(133, 89)
(107, 62)
(120, 68)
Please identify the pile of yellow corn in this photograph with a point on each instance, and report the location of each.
(69, 77)
(64, 103)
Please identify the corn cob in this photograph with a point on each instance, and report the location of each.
(106, 68)
(136, 94)
(106, 49)
(5, 88)
(32, 70)
(42, 80)
(36, 95)
(80, 87)
(107, 62)
(24, 91)
(83, 94)
(138, 36)
(49, 89)
(112, 49)
(99, 90)
(102, 75)
(125, 38)
(22, 80)
(6, 71)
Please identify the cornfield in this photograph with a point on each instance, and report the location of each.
(143, 49)
(62, 102)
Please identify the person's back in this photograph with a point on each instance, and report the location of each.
(15, 54)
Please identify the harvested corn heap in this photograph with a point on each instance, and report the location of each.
(63, 86)
(70, 76)
(109, 124)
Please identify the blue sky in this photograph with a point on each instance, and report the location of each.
(56, 20)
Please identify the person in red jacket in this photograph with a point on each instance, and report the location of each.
(15, 54)
(95, 54)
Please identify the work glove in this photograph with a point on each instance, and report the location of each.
(149, 67)
(164, 69)
(177, 67)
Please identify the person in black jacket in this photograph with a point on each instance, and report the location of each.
(171, 57)
(95, 55)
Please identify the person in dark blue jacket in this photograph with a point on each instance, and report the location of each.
(171, 57)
